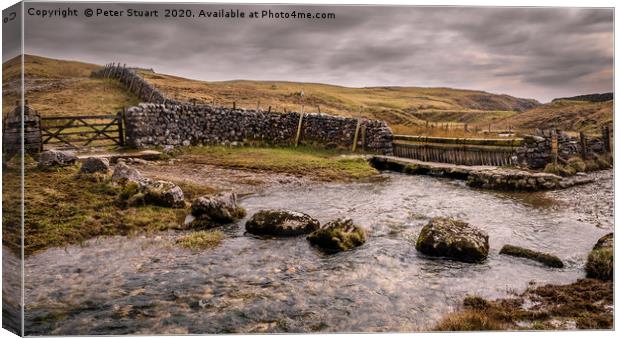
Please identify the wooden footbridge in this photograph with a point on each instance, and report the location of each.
(460, 151)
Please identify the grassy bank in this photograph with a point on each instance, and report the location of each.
(585, 304)
(302, 161)
(63, 207)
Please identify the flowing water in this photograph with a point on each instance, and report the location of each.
(145, 284)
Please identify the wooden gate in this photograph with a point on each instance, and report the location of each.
(81, 131)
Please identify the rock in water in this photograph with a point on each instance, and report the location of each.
(338, 235)
(56, 158)
(600, 264)
(93, 165)
(454, 239)
(546, 259)
(281, 223)
(210, 211)
(125, 173)
(165, 194)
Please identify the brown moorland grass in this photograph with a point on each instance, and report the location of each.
(59, 87)
(400, 106)
(585, 304)
(566, 115)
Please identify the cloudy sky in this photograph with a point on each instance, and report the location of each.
(539, 53)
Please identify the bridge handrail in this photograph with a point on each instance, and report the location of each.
(508, 142)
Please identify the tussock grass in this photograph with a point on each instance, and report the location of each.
(302, 161)
(201, 240)
(471, 320)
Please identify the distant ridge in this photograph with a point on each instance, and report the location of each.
(589, 97)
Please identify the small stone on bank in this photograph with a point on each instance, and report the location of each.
(93, 165)
(56, 158)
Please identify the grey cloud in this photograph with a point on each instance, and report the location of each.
(530, 52)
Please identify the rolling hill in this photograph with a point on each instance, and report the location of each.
(564, 114)
(60, 87)
(401, 107)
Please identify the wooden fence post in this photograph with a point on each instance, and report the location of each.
(234, 105)
(606, 138)
(554, 147)
(357, 130)
(119, 120)
(584, 145)
(301, 118)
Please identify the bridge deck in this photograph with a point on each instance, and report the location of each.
(439, 165)
(490, 177)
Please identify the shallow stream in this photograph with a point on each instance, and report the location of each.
(145, 284)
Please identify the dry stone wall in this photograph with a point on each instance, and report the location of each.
(134, 83)
(18, 132)
(151, 124)
(536, 150)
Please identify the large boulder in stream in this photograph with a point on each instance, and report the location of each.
(600, 264)
(56, 158)
(281, 223)
(447, 237)
(210, 211)
(338, 235)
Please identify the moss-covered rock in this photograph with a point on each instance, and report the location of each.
(546, 259)
(447, 237)
(281, 223)
(165, 194)
(146, 191)
(600, 264)
(124, 173)
(338, 235)
(211, 211)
